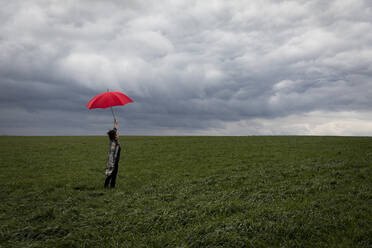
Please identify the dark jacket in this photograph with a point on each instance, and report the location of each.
(113, 157)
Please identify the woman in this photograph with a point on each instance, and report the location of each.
(113, 157)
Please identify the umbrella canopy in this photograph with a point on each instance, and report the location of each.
(108, 99)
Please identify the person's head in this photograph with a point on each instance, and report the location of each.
(113, 134)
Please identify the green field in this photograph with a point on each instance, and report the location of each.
(255, 191)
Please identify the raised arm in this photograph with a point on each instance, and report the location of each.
(116, 124)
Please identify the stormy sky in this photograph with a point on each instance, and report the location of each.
(192, 67)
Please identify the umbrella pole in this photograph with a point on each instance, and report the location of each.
(113, 115)
(112, 111)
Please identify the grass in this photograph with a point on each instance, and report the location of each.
(187, 192)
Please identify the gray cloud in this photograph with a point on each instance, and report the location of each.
(192, 67)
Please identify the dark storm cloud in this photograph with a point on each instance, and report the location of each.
(191, 66)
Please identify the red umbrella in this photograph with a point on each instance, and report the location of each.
(108, 99)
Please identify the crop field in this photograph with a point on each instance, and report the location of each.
(258, 191)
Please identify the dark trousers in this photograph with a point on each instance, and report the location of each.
(112, 178)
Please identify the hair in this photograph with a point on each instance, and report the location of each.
(111, 134)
